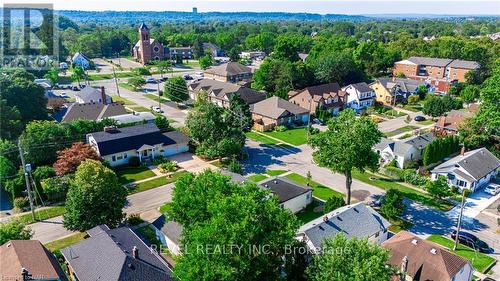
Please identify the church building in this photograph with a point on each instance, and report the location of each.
(147, 49)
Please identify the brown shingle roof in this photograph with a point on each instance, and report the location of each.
(229, 69)
(426, 260)
(320, 91)
(275, 107)
(93, 111)
(30, 254)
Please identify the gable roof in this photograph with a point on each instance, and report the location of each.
(171, 229)
(283, 188)
(356, 220)
(134, 137)
(78, 54)
(403, 84)
(276, 107)
(29, 254)
(90, 93)
(464, 64)
(229, 69)
(425, 260)
(318, 90)
(402, 147)
(430, 61)
(133, 117)
(453, 119)
(420, 141)
(224, 90)
(477, 163)
(93, 111)
(362, 87)
(107, 255)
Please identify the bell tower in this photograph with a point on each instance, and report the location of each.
(144, 43)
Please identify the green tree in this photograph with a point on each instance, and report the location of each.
(203, 204)
(95, 197)
(164, 66)
(136, 82)
(333, 203)
(336, 67)
(205, 62)
(234, 53)
(142, 71)
(240, 112)
(470, 93)
(53, 76)
(162, 123)
(14, 230)
(176, 89)
(7, 170)
(78, 74)
(350, 259)
(346, 145)
(434, 107)
(42, 139)
(392, 204)
(439, 188)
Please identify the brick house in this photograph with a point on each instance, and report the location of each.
(327, 96)
(434, 68)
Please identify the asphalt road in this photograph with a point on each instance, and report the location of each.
(396, 123)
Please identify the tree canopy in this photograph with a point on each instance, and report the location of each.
(70, 158)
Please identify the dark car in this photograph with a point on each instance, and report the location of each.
(75, 88)
(187, 77)
(471, 241)
(419, 118)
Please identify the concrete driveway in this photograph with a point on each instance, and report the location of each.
(191, 162)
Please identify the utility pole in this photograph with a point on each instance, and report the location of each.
(459, 220)
(159, 101)
(116, 82)
(309, 119)
(27, 168)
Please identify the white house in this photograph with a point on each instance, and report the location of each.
(80, 60)
(359, 96)
(92, 95)
(169, 233)
(470, 170)
(146, 141)
(291, 195)
(403, 151)
(419, 259)
(356, 220)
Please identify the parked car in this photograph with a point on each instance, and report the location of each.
(419, 118)
(83, 86)
(492, 189)
(317, 121)
(157, 109)
(377, 202)
(151, 80)
(471, 240)
(163, 79)
(64, 95)
(187, 77)
(75, 88)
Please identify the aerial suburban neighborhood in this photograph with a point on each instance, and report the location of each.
(225, 141)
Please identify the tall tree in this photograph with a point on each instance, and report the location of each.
(70, 158)
(392, 204)
(53, 76)
(95, 197)
(78, 74)
(41, 140)
(164, 66)
(176, 89)
(346, 145)
(350, 259)
(14, 230)
(240, 112)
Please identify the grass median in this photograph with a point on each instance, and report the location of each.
(260, 138)
(296, 136)
(42, 214)
(156, 182)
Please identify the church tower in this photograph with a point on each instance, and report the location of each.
(144, 43)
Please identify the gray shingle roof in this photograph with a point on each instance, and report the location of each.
(275, 108)
(93, 111)
(466, 64)
(283, 188)
(107, 255)
(430, 61)
(229, 69)
(361, 87)
(420, 141)
(222, 89)
(91, 94)
(404, 84)
(356, 220)
(171, 229)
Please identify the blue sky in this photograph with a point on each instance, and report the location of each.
(489, 7)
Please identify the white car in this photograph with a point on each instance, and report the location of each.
(492, 189)
(151, 80)
(157, 109)
(64, 95)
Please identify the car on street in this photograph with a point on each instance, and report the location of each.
(64, 95)
(157, 109)
(163, 79)
(472, 241)
(419, 118)
(187, 77)
(377, 202)
(75, 88)
(492, 189)
(317, 121)
(151, 80)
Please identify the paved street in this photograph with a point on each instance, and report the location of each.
(52, 229)
(393, 124)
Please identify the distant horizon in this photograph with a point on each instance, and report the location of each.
(341, 7)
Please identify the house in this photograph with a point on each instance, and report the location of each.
(291, 195)
(449, 124)
(54, 101)
(92, 111)
(213, 49)
(30, 256)
(419, 259)
(253, 55)
(169, 233)
(395, 90)
(356, 220)
(146, 141)
(359, 96)
(276, 111)
(471, 170)
(328, 97)
(229, 72)
(179, 52)
(435, 68)
(81, 60)
(147, 49)
(134, 118)
(91, 95)
(403, 151)
(115, 255)
(220, 92)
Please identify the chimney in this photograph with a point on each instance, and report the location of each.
(109, 128)
(103, 95)
(462, 151)
(325, 218)
(135, 252)
(433, 251)
(404, 264)
(414, 241)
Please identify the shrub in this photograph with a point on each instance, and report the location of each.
(333, 203)
(55, 188)
(392, 163)
(167, 166)
(20, 203)
(235, 166)
(280, 128)
(134, 161)
(392, 204)
(159, 160)
(134, 219)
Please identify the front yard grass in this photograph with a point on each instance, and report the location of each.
(398, 224)
(106, 76)
(257, 178)
(139, 109)
(123, 100)
(274, 173)
(260, 138)
(480, 262)
(156, 182)
(426, 122)
(165, 208)
(57, 245)
(128, 87)
(408, 192)
(43, 214)
(401, 130)
(295, 136)
(155, 98)
(394, 113)
(308, 214)
(131, 174)
(319, 191)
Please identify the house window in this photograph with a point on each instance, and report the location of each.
(125, 155)
(113, 158)
(119, 157)
(308, 196)
(461, 183)
(377, 234)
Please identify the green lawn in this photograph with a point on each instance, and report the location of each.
(43, 214)
(167, 207)
(157, 182)
(154, 97)
(398, 225)
(408, 192)
(319, 191)
(257, 177)
(128, 87)
(414, 108)
(296, 136)
(401, 130)
(274, 173)
(480, 262)
(123, 100)
(308, 214)
(65, 242)
(426, 122)
(131, 174)
(260, 138)
(394, 113)
(139, 108)
(99, 76)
